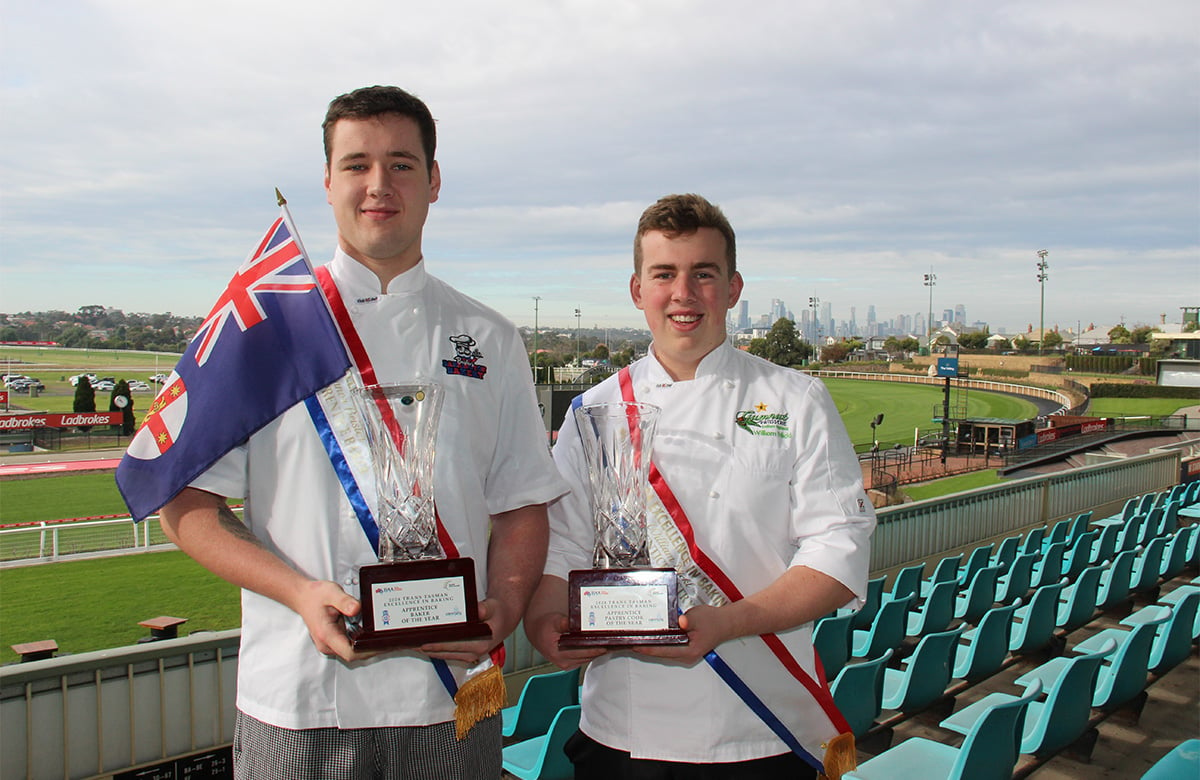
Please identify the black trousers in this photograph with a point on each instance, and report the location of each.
(594, 761)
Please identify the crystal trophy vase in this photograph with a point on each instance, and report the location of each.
(415, 595)
(622, 600)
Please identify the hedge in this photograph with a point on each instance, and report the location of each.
(1111, 364)
(1113, 390)
(1005, 372)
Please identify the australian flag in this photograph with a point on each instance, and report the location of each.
(268, 343)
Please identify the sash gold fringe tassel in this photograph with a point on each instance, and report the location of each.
(480, 697)
(841, 755)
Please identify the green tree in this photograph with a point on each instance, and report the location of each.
(782, 346)
(895, 346)
(85, 399)
(1119, 334)
(1051, 339)
(544, 361)
(974, 340)
(73, 336)
(621, 358)
(600, 352)
(85, 396)
(121, 390)
(1141, 335)
(835, 353)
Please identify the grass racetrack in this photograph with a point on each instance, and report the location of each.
(906, 408)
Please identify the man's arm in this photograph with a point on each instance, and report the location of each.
(201, 525)
(516, 555)
(798, 596)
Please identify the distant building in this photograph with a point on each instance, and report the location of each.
(1180, 345)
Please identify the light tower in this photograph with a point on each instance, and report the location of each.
(536, 298)
(930, 281)
(1041, 277)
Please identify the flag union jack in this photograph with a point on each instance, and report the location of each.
(269, 269)
(231, 381)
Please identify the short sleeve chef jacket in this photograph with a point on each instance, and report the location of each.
(780, 488)
(492, 457)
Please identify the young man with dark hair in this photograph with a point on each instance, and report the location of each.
(309, 705)
(758, 505)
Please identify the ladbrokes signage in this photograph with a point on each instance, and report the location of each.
(24, 422)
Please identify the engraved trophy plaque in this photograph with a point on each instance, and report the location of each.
(622, 601)
(414, 595)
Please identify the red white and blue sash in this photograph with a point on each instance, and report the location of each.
(675, 541)
(339, 426)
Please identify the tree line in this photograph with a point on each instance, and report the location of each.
(97, 327)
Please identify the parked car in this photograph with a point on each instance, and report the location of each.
(104, 384)
(137, 384)
(158, 379)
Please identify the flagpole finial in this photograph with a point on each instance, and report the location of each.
(279, 197)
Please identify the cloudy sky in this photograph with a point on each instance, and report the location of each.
(855, 146)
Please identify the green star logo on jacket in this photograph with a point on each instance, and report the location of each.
(761, 422)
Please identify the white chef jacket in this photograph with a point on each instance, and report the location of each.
(782, 489)
(492, 457)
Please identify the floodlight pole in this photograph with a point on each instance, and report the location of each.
(536, 299)
(1041, 277)
(930, 281)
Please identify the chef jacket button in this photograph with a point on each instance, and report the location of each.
(718, 436)
(729, 383)
(713, 494)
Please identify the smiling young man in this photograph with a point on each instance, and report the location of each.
(760, 509)
(309, 706)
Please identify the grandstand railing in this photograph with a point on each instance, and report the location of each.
(86, 715)
(917, 531)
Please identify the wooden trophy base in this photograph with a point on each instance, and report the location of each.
(412, 603)
(622, 608)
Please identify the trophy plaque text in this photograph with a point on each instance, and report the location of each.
(414, 595)
(622, 601)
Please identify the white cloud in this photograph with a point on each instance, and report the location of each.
(854, 145)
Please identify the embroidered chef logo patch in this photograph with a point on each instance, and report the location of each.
(762, 422)
(466, 358)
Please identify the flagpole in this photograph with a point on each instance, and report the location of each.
(287, 218)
